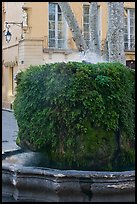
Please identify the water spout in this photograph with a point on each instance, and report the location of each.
(89, 57)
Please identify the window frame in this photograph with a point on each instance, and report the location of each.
(98, 22)
(56, 29)
(128, 29)
(83, 23)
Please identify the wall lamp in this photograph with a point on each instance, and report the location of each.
(8, 33)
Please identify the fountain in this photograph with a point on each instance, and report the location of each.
(26, 178)
(26, 181)
(88, 57)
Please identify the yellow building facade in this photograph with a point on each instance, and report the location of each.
(40, 34)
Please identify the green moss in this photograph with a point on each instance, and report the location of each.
(18, 141)
(71, 111)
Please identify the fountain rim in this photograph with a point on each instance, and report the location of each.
(59, 173)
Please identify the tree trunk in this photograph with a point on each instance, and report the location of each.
(73, 25)
(93, 28)
(116, 32)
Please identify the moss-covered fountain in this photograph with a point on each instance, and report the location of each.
(76, 127)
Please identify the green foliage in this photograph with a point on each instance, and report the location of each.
(71, 111)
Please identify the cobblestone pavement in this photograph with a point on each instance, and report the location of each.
(9, 131)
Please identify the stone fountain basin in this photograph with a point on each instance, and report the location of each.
(25, 181)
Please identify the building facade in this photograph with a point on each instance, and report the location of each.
(40, 34)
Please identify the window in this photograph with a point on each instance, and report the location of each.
(57, 27)
(86, 24)
(11, 80)
(86, 32)
(129, 29)
(25, 17)
(130, 63)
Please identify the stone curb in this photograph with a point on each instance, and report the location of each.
(11, 152)
(9, 110)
